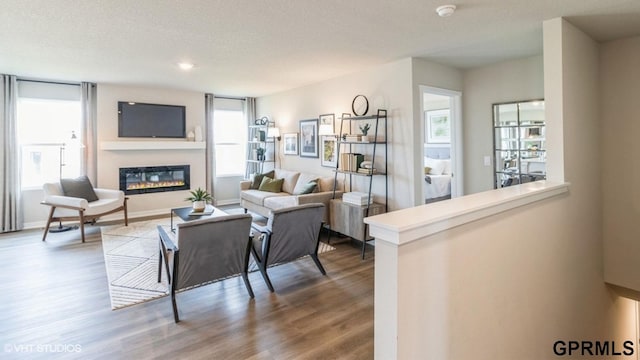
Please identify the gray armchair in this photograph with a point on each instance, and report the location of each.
(290, 234)
(203, 251)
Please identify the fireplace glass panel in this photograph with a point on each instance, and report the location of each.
(141, 180)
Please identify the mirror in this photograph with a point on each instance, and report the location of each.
(519, 142)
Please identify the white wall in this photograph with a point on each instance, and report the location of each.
(503, 82)
(510, 285)
(110, 161)
(426, 73)
(386, 86)
(619, 167)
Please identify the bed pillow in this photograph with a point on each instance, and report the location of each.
(447, 166)
(437, 166)
(271, 185)
(79, 187)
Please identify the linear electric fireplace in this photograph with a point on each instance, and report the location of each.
(150, 179)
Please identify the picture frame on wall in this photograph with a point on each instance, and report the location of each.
(309, 138)
(327, 124)
(290, 143)
(438, 126)
(329, 144)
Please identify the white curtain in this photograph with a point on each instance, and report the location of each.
(210, 152)
(88, 103)
(250, 110)
(250, 117)
(11, 207)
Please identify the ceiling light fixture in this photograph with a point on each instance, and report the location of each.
(185, 66)
(446, 10)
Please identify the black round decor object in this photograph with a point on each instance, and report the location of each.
(360, 105)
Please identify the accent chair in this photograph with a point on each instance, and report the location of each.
(77, 200)
(203, 251)
(290, 233)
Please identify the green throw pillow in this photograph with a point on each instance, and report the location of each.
(307, 188)
(271, 185)
(257, 179)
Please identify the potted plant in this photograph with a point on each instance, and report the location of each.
(199, 198)
(365, 129)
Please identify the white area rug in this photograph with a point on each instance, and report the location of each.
(131, 258)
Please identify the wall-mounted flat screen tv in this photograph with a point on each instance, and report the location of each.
(151, 120)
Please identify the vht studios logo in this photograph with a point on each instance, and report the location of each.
(593, 348)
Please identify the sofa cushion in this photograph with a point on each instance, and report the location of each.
(257, 179)
(79, 187)
(280, 202)
(326, 183)
(308, 188)
(258, 197)
(290, 179)
(303, 180)
(271, 185)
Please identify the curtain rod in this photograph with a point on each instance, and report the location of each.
(49, 82)
(229, 98)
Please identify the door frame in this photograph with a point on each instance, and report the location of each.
(455, 105)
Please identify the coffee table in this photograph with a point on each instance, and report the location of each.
(184, 213)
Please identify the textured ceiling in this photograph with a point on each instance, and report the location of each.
(258, 47)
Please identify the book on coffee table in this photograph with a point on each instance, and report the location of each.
(207, 211)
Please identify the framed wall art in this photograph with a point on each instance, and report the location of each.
(438, 129)
(329, 145)
(309, 138)
(327, 122)
(290, 144)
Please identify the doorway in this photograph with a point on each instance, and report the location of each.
(441, 138)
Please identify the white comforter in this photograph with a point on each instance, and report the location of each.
(440, 186)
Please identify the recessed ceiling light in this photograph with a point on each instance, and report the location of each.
(185, 66)
(446, 10)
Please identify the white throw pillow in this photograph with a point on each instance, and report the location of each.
(447, 166)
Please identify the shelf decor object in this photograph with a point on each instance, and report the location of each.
(261, 147)
(360, 105)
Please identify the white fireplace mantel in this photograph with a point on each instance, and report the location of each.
(152, 145)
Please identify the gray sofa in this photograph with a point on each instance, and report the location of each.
(262, 202)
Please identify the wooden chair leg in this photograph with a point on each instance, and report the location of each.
(46, 228)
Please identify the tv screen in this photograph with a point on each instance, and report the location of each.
(151, 120)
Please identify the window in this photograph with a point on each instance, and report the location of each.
(229, 136)
(45, 128)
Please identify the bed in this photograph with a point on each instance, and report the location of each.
(437, 175)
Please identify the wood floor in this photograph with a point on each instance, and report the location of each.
(54, 295)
